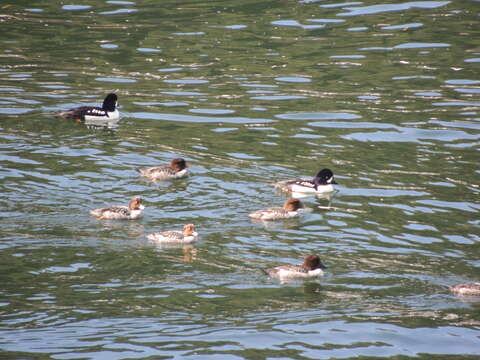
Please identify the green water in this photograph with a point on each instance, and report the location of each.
(387, 95)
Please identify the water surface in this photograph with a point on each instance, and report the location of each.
(386, 95)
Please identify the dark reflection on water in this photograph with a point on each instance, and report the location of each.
(249, 93)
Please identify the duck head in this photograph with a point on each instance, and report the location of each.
(292, 204)
(178, 164)
(136, 204)
(313, 262)
(110, 102)
(324, 177)
(188, 230)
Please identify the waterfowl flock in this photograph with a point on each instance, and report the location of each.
(323, 182)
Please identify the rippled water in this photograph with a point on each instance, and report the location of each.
(386, 95)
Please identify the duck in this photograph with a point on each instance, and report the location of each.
(322, 183)
(108, 111)
(466, 289)
(312, 267)
(289, 210)
(134, 210)
(177, 169)
(188, 235)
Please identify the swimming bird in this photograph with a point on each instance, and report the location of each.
(322, 183)
(312, 267)
(289, 210)
(134, 210)
(188, 235)
(176, 170)
(467, 289)
(108, 111)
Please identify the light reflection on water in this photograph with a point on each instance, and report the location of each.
(371, 338)
(391, 108)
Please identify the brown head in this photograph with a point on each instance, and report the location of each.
(292, 204)
(188, 230)
(312, 262)
(135, 203)
(178, 164)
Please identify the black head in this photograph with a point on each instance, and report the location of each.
(324, 177)
(110, 102)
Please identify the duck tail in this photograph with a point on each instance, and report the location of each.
(279, 184)
(266, 271)
(63, 114)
